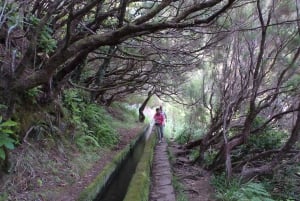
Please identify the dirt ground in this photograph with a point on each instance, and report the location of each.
(72, 192)
(48, 186)
(30, 182)
(194, 180)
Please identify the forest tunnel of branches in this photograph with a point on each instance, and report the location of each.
(231, 65)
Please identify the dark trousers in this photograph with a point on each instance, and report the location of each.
(159, 131)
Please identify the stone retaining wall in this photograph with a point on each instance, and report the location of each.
(92, 190)
(139, 186)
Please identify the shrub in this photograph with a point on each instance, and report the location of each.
(284, 184)
(209, 156)
(91, 121)
(86, 141)
(268, 138)
(45, 41)
(235, 190)
(97, 122)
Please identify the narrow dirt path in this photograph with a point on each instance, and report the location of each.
(161, 186)
(195, 180)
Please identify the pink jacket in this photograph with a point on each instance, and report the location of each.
(159, 118)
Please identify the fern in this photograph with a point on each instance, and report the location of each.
(6, 139)
(86, 141)
(254, 191)
(45, 41)
(234, 190)
(90, 119)
(31, 94)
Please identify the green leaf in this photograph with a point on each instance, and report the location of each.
(6, 131)
(9, 145)
(3, 140)
(2, 154)
(9, 123)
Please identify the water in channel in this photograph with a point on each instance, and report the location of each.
(117, 188)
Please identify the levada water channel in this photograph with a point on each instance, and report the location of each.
(117, 185)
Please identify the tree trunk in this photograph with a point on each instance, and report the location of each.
(141, 109)
(249, 173)
(228, 163)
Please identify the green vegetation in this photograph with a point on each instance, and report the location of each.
(125, 113)
(62, 139)
(92, 190)
(268, 138)
(179, 188)
(284, 184)
(281, 185)
(3, 196)
(235, 190)
(222, 69)
(7, 136)
(45, 40)
(176, 127)
(91, 122)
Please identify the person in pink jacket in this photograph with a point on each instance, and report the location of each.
(159, 120)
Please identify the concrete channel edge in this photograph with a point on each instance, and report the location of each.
(139, 186)
(92, 190)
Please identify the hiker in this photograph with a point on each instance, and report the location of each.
(165, 120)
(159, 120)
(163, 113)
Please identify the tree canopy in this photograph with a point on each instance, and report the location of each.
(45, 41)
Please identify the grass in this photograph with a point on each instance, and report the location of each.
(235, 190)
(44, 167)
(179, 189)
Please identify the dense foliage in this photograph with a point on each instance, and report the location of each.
(235, 190)
(91, 121)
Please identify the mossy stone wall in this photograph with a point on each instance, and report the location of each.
(139, 186)
(91, 191)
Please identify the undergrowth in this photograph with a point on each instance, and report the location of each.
(284, 184)
(44, 167)
(92, 123)
(7, 136)
(235, 190)
(179, 189)
(57, 152)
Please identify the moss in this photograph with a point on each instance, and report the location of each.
(140, 184)
(4, 196)
(33, 115)
(92, 190)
